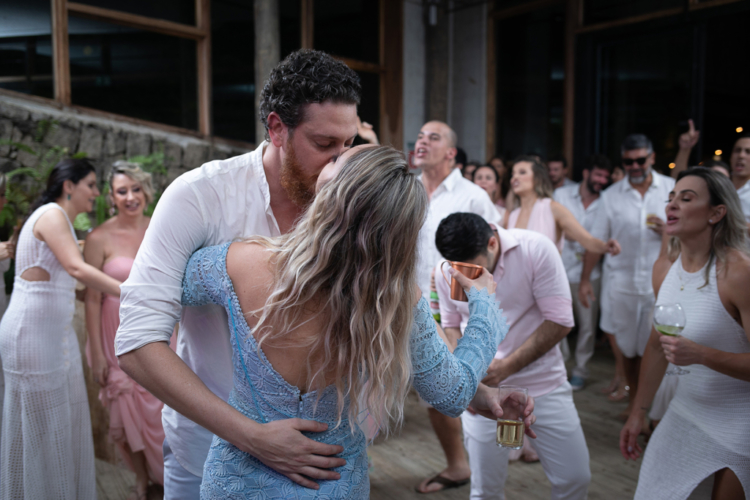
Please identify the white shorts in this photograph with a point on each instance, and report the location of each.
(628, 318)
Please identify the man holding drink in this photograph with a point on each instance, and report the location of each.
(534, 294)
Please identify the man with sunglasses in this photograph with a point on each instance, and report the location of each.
(633, 212)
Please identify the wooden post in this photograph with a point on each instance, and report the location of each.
(267, 51)
(203, 22)
(491, 115)
(571, 24)
(307, 16)
(391, 80)
(60, 54)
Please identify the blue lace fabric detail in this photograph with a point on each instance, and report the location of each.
(447, 381)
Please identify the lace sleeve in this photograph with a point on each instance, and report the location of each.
(205, 276)
(449, 381)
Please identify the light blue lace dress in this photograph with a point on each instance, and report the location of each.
(446, 381)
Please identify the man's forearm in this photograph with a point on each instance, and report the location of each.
(157, 368)
(590, 259)
(537, 345)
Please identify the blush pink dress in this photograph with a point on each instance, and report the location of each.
(134, 413)
(541, 220)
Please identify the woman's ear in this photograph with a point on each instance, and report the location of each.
(717, 213)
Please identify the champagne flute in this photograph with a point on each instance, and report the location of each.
(669, 319)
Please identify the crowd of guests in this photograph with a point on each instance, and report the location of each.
(302, 276)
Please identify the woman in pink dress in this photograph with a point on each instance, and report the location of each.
(134, 414)
(534, 209)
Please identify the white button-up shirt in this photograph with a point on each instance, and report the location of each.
(572, 254)
(218, 202)
(622, 215)
(454, 194)
(744, 194)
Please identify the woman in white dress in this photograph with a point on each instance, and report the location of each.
(47, 451)
(6, 252)
(706, 429)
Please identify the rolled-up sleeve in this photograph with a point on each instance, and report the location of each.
(550, 283)
(150, 297)
(450, 317)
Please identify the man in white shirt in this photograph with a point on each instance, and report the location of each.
(309, 109)
(449, 192)
(740, 165)
(632, 211)
(557, 168)
(583, 202)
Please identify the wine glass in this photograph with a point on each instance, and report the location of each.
(669, 319)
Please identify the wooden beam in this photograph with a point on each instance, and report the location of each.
(136, 21)
(357, 65)
(203, 58)
(491, 115)
(307, 14)
(60, 51)
(632, 20)
(267, 52)
(392, 79)
(523, 8)
(571, 22)
(695, 5)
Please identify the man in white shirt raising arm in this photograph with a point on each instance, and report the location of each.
(309, 109)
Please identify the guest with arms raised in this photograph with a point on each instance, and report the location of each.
(705, 430)
(47, 450)
(300, 351)
(134, 413)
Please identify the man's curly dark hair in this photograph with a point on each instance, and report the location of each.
(306, 76)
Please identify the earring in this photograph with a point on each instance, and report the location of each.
(710, 221)
(68, 197)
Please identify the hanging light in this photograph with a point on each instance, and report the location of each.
(739, 130)
(718, 152)
(671, 165)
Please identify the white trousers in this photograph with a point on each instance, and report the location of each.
(179, 484)
(560, 444)
(587, 319)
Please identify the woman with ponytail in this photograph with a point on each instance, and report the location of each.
(46, 450)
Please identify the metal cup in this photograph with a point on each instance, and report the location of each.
(471, 271)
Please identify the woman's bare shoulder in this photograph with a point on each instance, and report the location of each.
(249, 260)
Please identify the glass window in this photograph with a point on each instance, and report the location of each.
(644, 86)
(133, 72)
(26, 48)
(600, 11)
(233, 66)
(290, 26)
(529, 78)
(369, 107)
(179, 11)
(348, 28)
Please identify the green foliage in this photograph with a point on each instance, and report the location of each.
(82, 222)
(153, 163)
(44, 126)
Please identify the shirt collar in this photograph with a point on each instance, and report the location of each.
(507, 243)
(256, 163)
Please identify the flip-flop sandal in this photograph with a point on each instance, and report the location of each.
(447, 484)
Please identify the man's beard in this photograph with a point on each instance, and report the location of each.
(641, 179)
(594, 187)
(299, 189)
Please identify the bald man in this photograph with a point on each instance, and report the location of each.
(449, 192)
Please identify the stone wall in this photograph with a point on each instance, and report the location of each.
(104, 140)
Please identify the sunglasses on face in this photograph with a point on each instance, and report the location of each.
(629, 161)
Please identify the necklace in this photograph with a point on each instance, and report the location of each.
(679, 272)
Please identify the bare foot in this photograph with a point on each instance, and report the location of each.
(457, 475)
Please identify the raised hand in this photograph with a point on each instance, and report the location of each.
(485, 280)
(689, 139)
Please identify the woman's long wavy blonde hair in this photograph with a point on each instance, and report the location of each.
(352, 256)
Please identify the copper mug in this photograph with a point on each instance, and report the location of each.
(471, 271)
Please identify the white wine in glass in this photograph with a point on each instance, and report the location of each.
(669, 319)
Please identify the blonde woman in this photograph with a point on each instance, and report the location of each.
(327, 323)
(705, 430)
(134, 414)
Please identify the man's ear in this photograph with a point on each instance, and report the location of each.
(451, 153)
(493, 245)
(277, 131)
